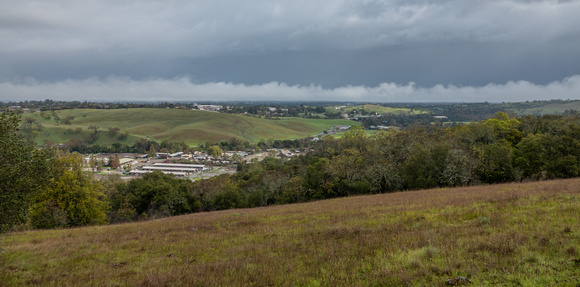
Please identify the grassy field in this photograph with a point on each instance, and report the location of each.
(192, 127)
(550, 108)
(501, 235)
(384, 110)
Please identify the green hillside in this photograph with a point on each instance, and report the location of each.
(191, 126)
(496, 235)
(547, 107)
(383, 110)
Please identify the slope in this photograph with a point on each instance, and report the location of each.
(512, 234)
(192, 127)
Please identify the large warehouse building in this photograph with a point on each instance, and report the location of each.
(177, 169)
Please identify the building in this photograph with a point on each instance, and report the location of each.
(177, 169)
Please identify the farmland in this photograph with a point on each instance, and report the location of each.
(507, 235)
(192, 127)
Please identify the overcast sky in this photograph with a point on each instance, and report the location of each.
(326, 50)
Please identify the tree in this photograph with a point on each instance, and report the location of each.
(317, 179)
(384, 176)
(504, 127)
(420, 171)
(114, 162)
(346, 169)
(459, 168)
(94, 135)
(71, 198)
(113, 131)
(92, 162)
(529, 156)
(152, 152)
(23, 171)
(215, 151)
(562, 156)
(123, 136)
(229, 197)
(496, 166)
(94, 128)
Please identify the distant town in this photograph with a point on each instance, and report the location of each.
(196, 165)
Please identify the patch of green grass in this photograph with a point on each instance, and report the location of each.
(501, 235)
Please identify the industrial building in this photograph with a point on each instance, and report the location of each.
(177, 169)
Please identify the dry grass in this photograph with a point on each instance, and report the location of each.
(514, 234)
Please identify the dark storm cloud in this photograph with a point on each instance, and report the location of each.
(331, 45)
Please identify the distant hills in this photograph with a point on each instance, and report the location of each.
(190, 126)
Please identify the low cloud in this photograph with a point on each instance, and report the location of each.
(185, 90)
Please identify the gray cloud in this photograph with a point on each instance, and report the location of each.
(182, 89)
(328, 43)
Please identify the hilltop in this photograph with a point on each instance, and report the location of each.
(510, 234)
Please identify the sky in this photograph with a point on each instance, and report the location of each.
(325, 50)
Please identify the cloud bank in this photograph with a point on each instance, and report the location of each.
(185, 90)
(331, 43)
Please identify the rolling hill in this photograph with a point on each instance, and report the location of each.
(547, 107)
(191, 126)
(384, 110)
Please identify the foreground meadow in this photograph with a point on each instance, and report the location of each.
(504, 235)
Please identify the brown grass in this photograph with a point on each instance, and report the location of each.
(513, 234)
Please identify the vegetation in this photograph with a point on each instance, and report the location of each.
(23, 170)
(500, 235)
(152, 196)
(71, 197)
(128, 126)
(500, 149)
(407, 239)
(379, 110)
(43, 191)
